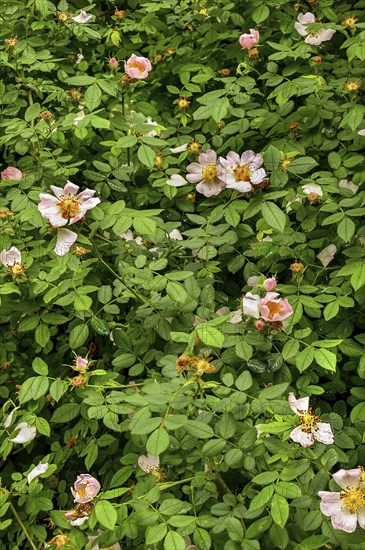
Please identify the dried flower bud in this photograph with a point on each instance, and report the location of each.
(75, 95)
(63, 16)
(159, 160)
(352, 86)
(11, 42)
(317, 60)
(253, 52)
(221, 124)
(349, 21)
(6, 213)
(224, 72)
(119, 14)
(296, 266)
(45, 115)
(80, 251)
(78, 381)
(277, 325)
(171, 51)
(5, 366)
(182, 102)
(293, 125)
(71, 442)
(59, 541)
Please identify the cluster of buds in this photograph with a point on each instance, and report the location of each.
(11, 42)
(198, 365)
(75, 95)
(182, 102)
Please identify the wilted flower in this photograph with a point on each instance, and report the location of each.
(361, 132)
(67, 206)
(80, 116)
(347, 507)
(224, 72)
(327, 254)
(137, 67)
(11, 42)
(75, 95)
(349, 21)
(313, 191)
(65, 239)
(45, 115)
(175, 235)
(273, 308)
(85, 488)
(200, 365)
(345, 184)
(247, 41)
(311, 428)
(119, 14)
(315, 38)
(352, 85)
(80, 250)
(296, 266)
(79, 514)
(9, 418)
(83, 17)
(5, 213)
(150, 133)
(182, 102)
(37, 471)
(240, 173)
(11, 173)
(250, 305)
(59, 541)
(269, 284)
(12, 259)
(149, 463)
(26, 433)
(79, 58)
(205, 174)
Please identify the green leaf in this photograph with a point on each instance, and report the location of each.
(279, 510)
(213, 447)
(304, 359)
(39, 366)
(106, 514)
(155, 533)
(234, 529)
(331, 310)
(326, 359)
(260, 14)
(244, 381)
(358, 413)
(334, 160)
(301, 165)
(32, 112)
(209, 335)
(42, 335)
(290, 349)
(198, 429)
(358, 277)
(158, 442)
(33, 388)
(326, 343)
(273, 391)
(92, 97)
(174, 541)
(272, 154)
(346, 229)
(100, 326)
(127, 141)
(58, 388)
(81, 80)
(78, 336)
(146, 155)
(65, 413)
(176, 292)
(145, 226)
(172, 506)
(220, 109)
(273, 216)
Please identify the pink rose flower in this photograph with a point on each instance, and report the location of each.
(205, 174)
(247, 41)
(347, 507)
(315, 38)
(11, 257)
(259, 324)
(11, 173)
(311, 429)
(269, 284)
(67, 207)
(241, 173)
(85, 488)
(273, 308)
(137, 67)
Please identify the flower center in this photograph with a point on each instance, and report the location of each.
(242, 172)
(82, 491)
(209, 172)
(17, 269)
(69, 206)
(274, 307)
(136, 65)
(308, 421)
(354, 499)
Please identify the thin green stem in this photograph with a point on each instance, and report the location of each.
(22, 526)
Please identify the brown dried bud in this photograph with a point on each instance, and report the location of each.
(71, 442)
(59, 541)
(75, 95)
(119, 14)
(277, 325)
(45, 115)
(5, 366)
(352, 86)
(5, 213)
(224, 72)
(49, 398)
(317, 60)
(253, 52)
(296, 266)
(293, 125)
(78, 381)
(80, 251)
(349, 21)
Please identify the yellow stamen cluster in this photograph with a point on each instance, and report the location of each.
(69, 206)
(136, 65)
(200, 365)
(317, 60)
(253, 52)
(194, 147)
(11, 42)
(78, 382)
(352, 86)
(242, 173)
(349, 21)
(159, 160)
(5, 213)
(313, 197)
(59, 541)
(308, 421)
(353, 499)
(209, 172)
(182, 102)
(80, 251)
(63, 16)
(75, 95)
(296, 266)
(171, 51)
(191, 197)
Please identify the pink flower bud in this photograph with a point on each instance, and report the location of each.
(247, 41)
(259, 324)
(113, 63)
(11, 173)
(81, 363)
(137, 67)
(269, 284)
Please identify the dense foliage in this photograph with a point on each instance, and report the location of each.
(131, 369)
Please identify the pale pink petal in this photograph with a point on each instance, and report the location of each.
(323, 433)
(47, 202)
(79, 521)
(233, 158)
(180, 148)
(212, 188)
(11, 256)
(175, 235)
(86, 195)
(9, 418)
(37, 471)
(303, 438)
(247, 157)
(256, 162)
(347, 478)
(236, 317)
(56, 220)
(300, 29)
(299, 406)
(209, 157)
(70, 188)
(345, 184)
(331, 503)
(327, 254)
(241, 186)
(149, 463)
(26, 433)
(257, 176)
(361, 517)
(306, 18)
(250, 305)
(176, 181)
(344, 520)
(312, 188)
(65, 240)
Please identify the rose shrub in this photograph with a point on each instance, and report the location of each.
(184, 366)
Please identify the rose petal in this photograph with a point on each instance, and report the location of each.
(303, 438)
(347, 478)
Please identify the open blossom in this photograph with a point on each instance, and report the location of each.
(250, 305)
(347, 507)
(37, 471)
(311, 428)
(273, 308)
(85, 488)
(205, 174)
(83, 17)
(137, 67)
(11, 257)
(247, 41)
(241, 173)
(313, 191)
(315, 38)
(80, 116)
(11, 173)
(67, 207)
(26, 433)
(149, 463)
